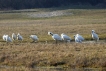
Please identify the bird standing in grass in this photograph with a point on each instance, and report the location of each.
(95, 36)
(19, 37)
(14, 37)
(56, 37)
(34, 38)
(65, 37)
(78, 38)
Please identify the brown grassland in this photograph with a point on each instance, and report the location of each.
(27, 55)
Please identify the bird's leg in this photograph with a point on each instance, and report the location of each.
(63, 41)
(96, 40)
(36, 41)
(20, 41)
(56, 41)
(66, 41)
(7, 43)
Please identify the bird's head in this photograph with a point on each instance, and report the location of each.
(74, 36)
(62, 34)
(50, 33)
(18, 35)
(93, 31)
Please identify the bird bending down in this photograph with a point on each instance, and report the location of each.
(14, 37)
(95, 36)
(34, 38)
(56, 37)
(19, 37)
(65, 37)
(78, 38)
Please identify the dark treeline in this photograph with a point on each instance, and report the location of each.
(26, 4)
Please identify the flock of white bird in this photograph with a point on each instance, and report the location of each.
(78, 38)
(7, 38)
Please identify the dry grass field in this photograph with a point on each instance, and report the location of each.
(48, 54)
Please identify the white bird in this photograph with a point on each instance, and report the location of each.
(34, 38)
(19, 37)
(95, 36)
(4, 37)
(56, 37)
(8, 39)
(14, 37)
(78, 38)
(65, 37)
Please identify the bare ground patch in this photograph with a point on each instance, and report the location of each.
(48, 14)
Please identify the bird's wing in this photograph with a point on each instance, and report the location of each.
(81, 38)
(56, 37)
(67, 37)
(96, 36)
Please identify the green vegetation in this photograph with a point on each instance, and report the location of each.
(29, 55)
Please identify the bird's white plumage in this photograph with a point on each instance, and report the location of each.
(65, 37)
(19, 37)
(14, 37)
(78, 38)
(56, 37)
(4, 37)
(34, 38)
(8, 39)
(95, 36)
